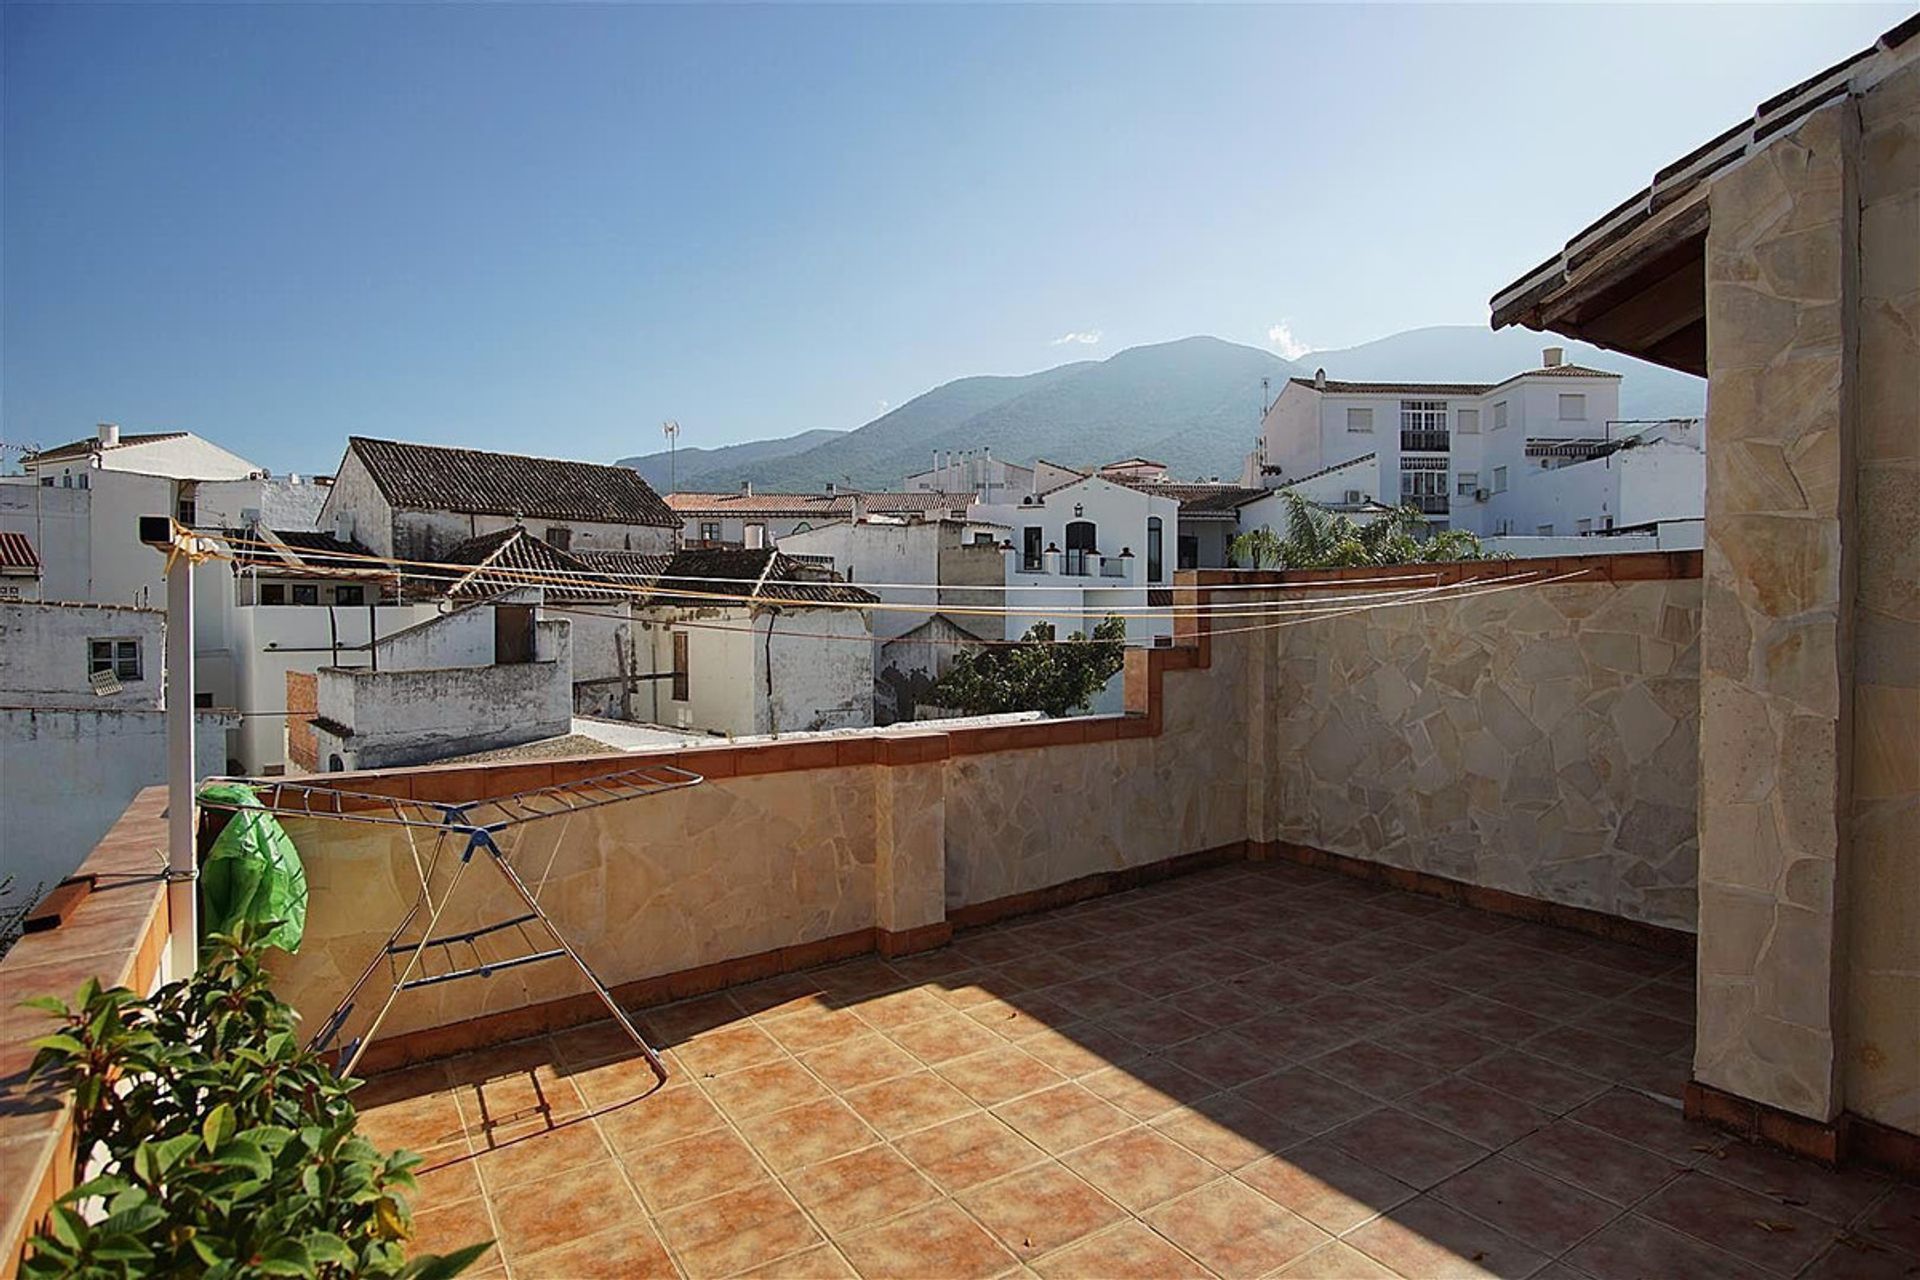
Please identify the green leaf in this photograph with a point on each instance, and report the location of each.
(244, 1153)
(59, 1042)
(326, 1249)
(218, 1126)
(286, 1258)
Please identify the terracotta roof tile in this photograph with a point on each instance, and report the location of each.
(436, 478)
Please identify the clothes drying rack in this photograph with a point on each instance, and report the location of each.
(416, 954)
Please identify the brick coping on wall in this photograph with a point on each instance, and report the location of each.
(118, 932)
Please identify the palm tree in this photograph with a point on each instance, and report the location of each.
(1317, 538)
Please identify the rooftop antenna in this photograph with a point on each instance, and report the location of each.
(1266, 386)
(671, 430)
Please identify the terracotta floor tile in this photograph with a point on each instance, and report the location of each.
(864, 1060)
(946, 1036)
(741, 1229)
(1235, 1231)
(1649, 1031)
(898, 1008)
(1336, 1261)
(940, 1240)
(1097, 997)
(594, 1042)
(446, 1175)
(618, 1080)
(693, 1169)
(1019, 1016)
(859, 1189)
(540, 1155)
(630, 1249)
(1646, 1123)
(731, 1048)
(966, 1152)
(1228, 1131)
(1410, 991)
(972, 987)
(1156, 1024)
(1375, 1069)
(1896, 1219)
(1425, 1239)
(992, 946)
(1148, 1087)
(859, 979)
(807, 1134)
(1536, 1210)
(1080, 1048)
(535, 1216)
(1592, 1052)
(1595, 1161)
(1730, 1218)
(823, 1262)
(1308, 1101)
(771, 1086)
(455, 1226)
(1324, 1185)
(1041, 969)
(1063, 1117)
(429, 1120)
(1839, 1197)
(1224, 1059)
(657, 1118)
(779, 996)
(901, 1105)
(1435, 1040)
(1634, 1248)
(685, 1019)
(1489, 1117)
(1854, 1257)
(1128, 1251)
(1221, 1004)
(926, 966)
(998, 1074)
(1503, 1023)
(802, 1033)
(1550, 1086)
(1541, 996)
(1140, 1168)
(1406, 1147)
(401, 1085)
(1040, 1209)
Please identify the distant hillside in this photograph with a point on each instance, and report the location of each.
(1193, 404)
(659, 468)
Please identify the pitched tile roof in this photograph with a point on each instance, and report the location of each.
(436, 478)
(17, 554)
(1199, 499)
(756, 574)
(310, 550)
(824, 506)
(90, 445)
(511, 559)
(1339, 388)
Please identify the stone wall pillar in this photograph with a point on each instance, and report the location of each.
(910, 857)
(1776, 668)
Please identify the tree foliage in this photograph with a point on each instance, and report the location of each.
(226, 1149)
(1316, 538)
(1037, 674)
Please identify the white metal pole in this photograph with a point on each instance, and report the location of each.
(182, 899)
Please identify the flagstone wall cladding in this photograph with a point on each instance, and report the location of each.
(1881, 1071)
(1541, 741)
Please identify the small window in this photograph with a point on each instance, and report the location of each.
(81, 483)
(1469, 420)
(1359, 419)
(66, 479)
(1468, 482)
(46, 482)
(1573, 408)
(186, 512)
(306, 593)
(121, 657)
(203, 701)
(355, 594)
(273, 593)
(559, 537)
(1499, 414)
(1030, 545)
(680, 670)
(982, 539)
(1499, 479)
(1503, 527)
(1545, 530)
(709, 531)
(1153, 548)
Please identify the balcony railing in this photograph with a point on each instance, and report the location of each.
(1424, 441)
(1113, 566)
(1074, 563)
(1432, 504)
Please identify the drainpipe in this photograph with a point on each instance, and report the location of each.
(773, 716)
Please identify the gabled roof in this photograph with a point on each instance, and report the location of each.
(1197, 499)
(86, 448)
(306, 550)
(425, 477)
(17, 555)
(821, 506)
(724, 576)
(1129, 463)
(1339, 388)
(512, 559)
(1324, 471)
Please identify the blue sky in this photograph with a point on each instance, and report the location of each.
(548, 228)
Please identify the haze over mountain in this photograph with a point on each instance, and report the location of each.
(1194, 404)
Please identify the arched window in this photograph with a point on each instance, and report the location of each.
(1153, 549)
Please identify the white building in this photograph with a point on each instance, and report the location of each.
(414, 501)
(974, 471)
(753, 520)
(82, 728)
(1089, 546)
(19, 567)
(1484, 457)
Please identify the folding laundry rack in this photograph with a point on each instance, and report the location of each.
(502, 828)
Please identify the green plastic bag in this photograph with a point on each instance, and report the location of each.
(253, 873)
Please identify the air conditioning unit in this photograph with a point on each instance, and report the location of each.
(1479, 495)
(1353, 497)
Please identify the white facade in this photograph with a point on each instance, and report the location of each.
(759, 671)
(974, 471)
(1084, 548)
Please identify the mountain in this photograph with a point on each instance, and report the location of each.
(1466, 353)
(1193, 404)
(660, 468)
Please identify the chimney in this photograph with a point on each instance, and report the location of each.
(859, 508)
(109, 435)
(1319, 379)
(343, 526)
(1553, 357)
(830, 489)
(746, 488)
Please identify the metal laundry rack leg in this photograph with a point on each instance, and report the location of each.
(495, 831)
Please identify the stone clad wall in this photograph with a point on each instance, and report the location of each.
(1542, 741)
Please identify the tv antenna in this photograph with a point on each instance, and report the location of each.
(671, 430)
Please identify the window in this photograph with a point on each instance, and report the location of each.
(273, 593)
(709, 531)
(1499, 479)
(203, 701)
(754, 536)
(1468, 482)
(1499, 414)
(1503, 528)
(186, 512)
(1359, 419)
(1423, 415)
(306, 593)
(1573, 408)
(680, 671)
(982, 539)
(1030, 544)
(66, 479)
(350, 595)
(1469, 422)
(81, 481)
(560, 537)
(121, 657)
(1081, 543)
(1153, 549)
